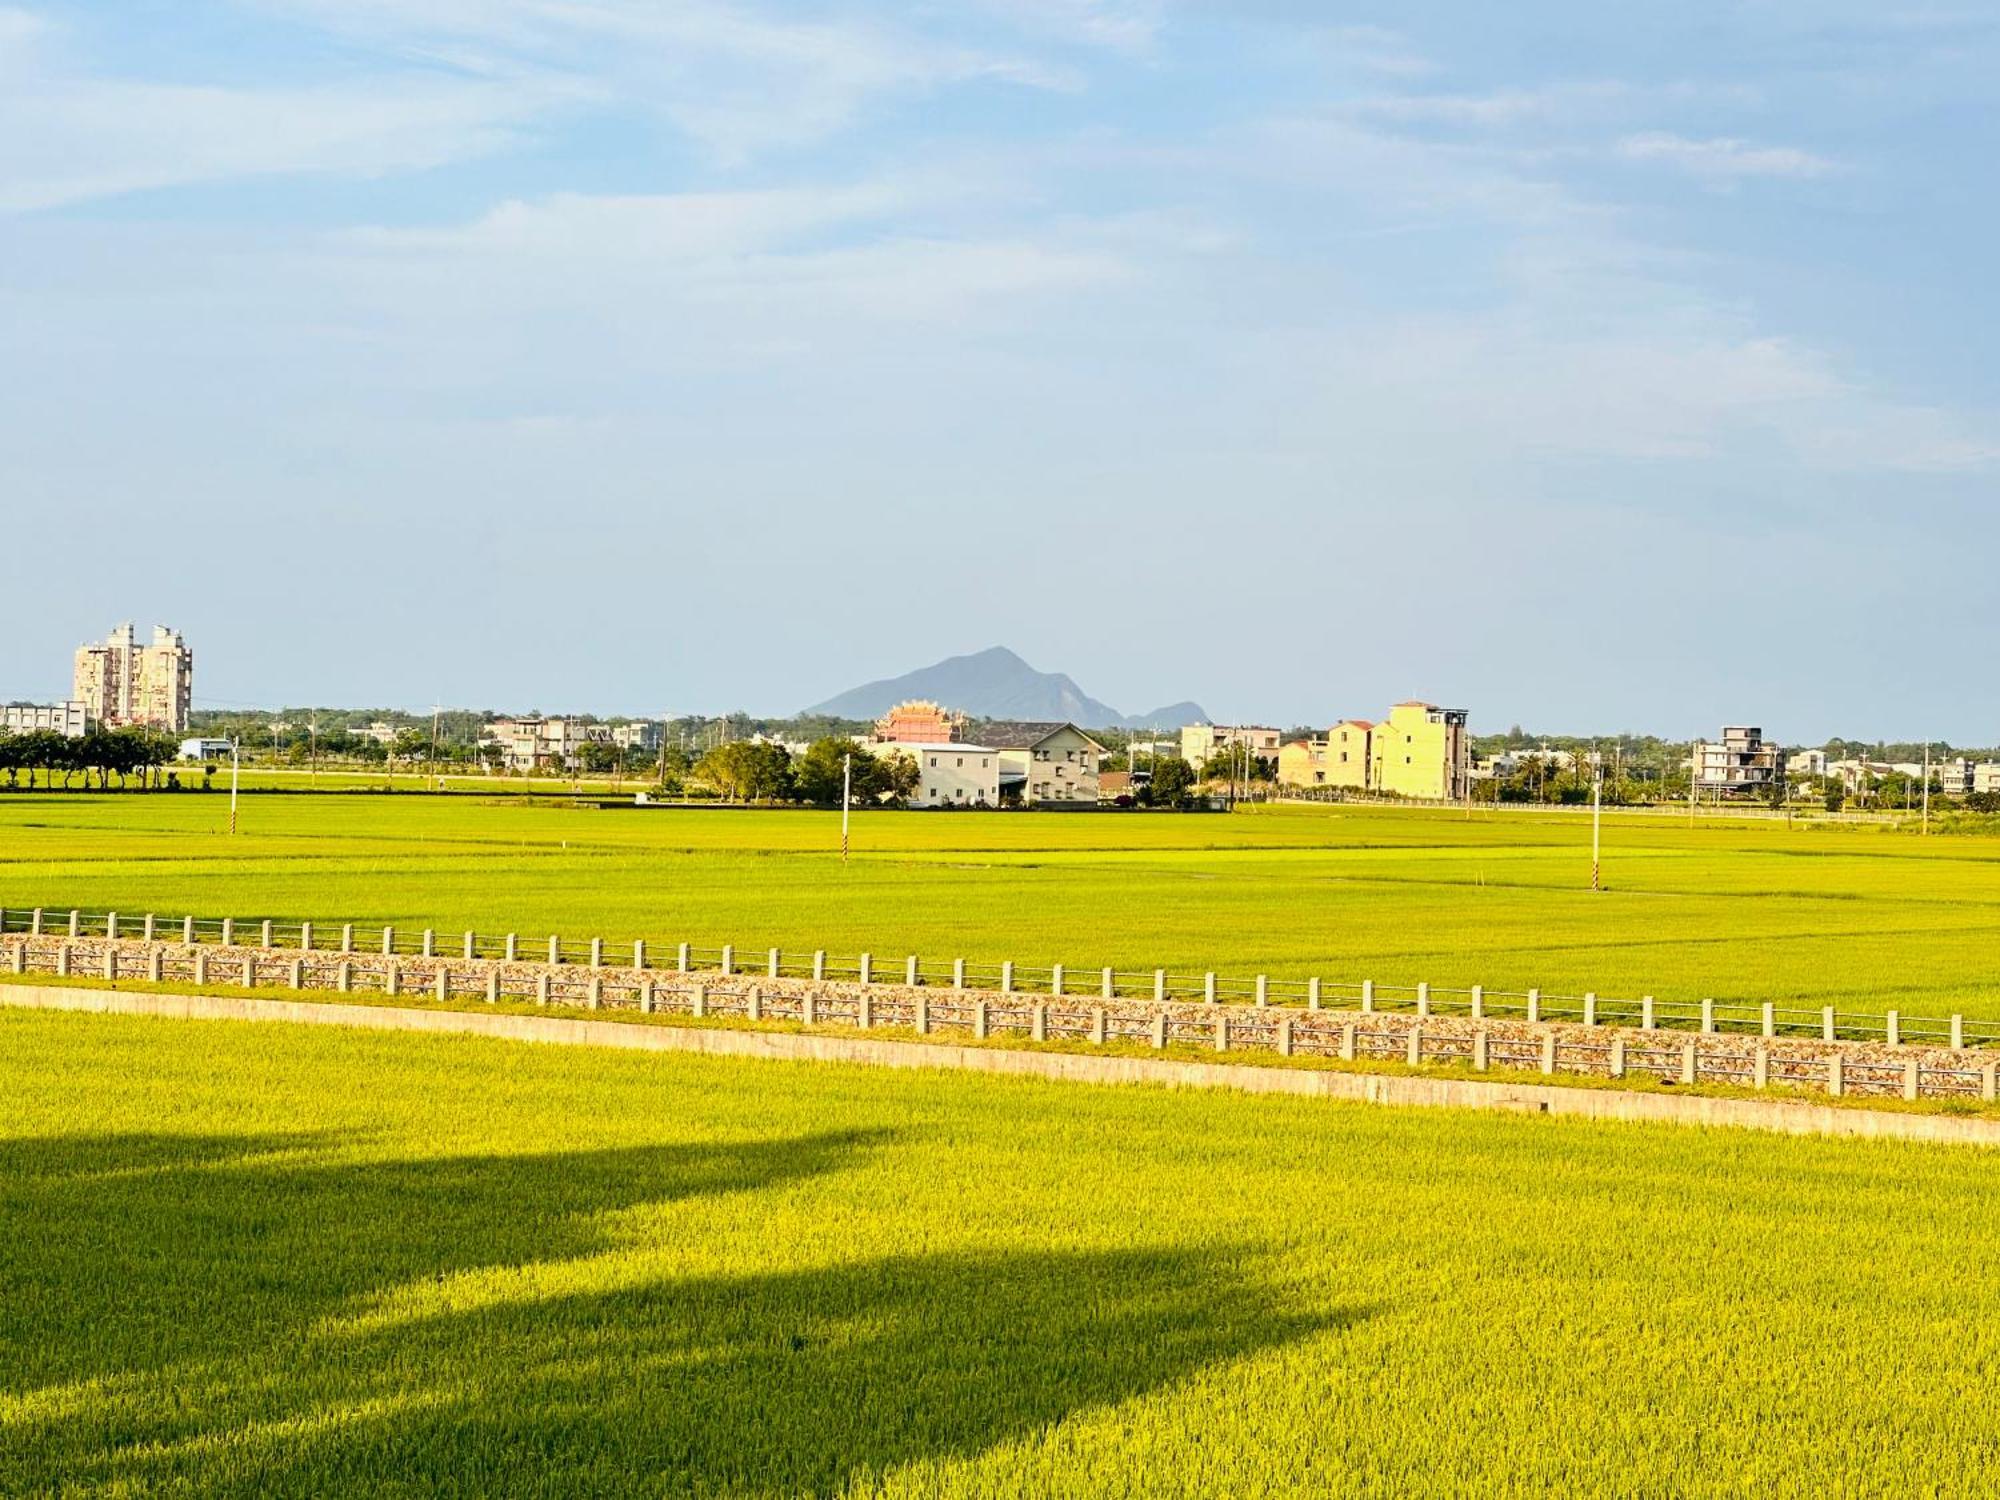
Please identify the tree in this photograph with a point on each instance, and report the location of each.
(1836, 796)
(411, 746)
(597, 758)
(817, 773)
(897, 776)
(746, 771)
(1172, 784)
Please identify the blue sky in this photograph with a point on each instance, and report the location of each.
(1587, 366)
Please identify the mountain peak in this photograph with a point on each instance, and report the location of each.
(996, 684)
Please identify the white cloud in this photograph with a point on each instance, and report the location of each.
(1723, 158)
(1122, 25)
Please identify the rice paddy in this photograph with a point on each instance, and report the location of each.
(243, 1260)
(1866, 918)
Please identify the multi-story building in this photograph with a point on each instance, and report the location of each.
(1202, 743)
(533, 743)
(121, 682)
(1303, 762)
(1803, 764)
(1741, 763)
(1044, 764)
(953, 773)
(645, 735)
(1956, 777)
(1421, 751)
(66, 718)
(1986, 776)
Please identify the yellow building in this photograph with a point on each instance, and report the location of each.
(1302, 763)
(1420, 750)
(1348, 762)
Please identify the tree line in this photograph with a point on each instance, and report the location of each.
(103, 753)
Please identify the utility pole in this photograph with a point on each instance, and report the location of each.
(1927, 787)
(1694, 776)
(432, 768)
(235, 773)
(663, 750)
(846, 799)
(1596, 823)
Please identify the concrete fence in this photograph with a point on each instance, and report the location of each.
(1422, 1000)
(721, 992)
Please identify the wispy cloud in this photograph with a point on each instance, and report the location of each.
(1723, 158)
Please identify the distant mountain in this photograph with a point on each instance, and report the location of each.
(997, 684)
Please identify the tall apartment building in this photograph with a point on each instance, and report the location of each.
(1421, 750)
(1202, 743)
(121, 682)
(1742, 762)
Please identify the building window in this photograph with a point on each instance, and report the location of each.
(933, 762)
(961, 760)
(933, 794)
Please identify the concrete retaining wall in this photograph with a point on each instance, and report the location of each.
(1788, 1117)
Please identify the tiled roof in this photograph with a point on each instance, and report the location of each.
(1023, 734)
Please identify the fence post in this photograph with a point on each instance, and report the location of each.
(958, 974)
(156, 963)
(923, 1015)
(1208, 987)
(151, 929)
(249, 970)
(1056, 979)
(1894, 1025)
(1770, 1021)
(1423, 997)
(774, 964)
(808, 1009)
(979, 1019)
(1097, 1025)
(755, 1004)
(347, 937)
(1367, 996)
(1549, 1053)
(1827, 1029)
(1760, 1068)
(200, 965)
(1038, 1025)
(1957, 1032)
(645, 996)
(392, 981)
(110, 926)
(867, 969)
(1263, 990)
(597, 992)
(110, 962)
(865, 1012)
(1347, 1042)
(1482, 1052)
(1312, 993)
(1646, 1022)
(542, 989)
(1688, 1062)
(1108, 989)
(511, 952)
(1590, 1008)
(729, 958)
(1159, 986)
(1836, 1071)
(555, 949)
(1159, 1030)
(228, 929)
(1222, 1033)
(442, 983)
(187, 928)
(429, 947)
(639, 954)
(470, 948)
(1618, 1057)
(1534, 1005)
(388, 940)
(1707, 1014)
(264, 934)
(1910, 1079)
(1989, 1082)
(1479, 1002)
(819, 966)
(298, 973)
(1416, 1041)
(700, 1001)
(1007, 977)
(76, 923)
(305, 937)
(35, 923)
(493, 991)
(910, 971)
(681, 959)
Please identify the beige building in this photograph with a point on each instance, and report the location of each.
(1201, 743)
(1044, 764)
(121, 682)
(953, 773)
(1742, 762)
(1420, 751)
(1986, 776)
(532, 743)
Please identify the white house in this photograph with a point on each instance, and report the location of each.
(1045, 764)
(953, 774)
(202, 749)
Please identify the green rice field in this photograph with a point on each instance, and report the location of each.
(1868, 918)
(262, 1260)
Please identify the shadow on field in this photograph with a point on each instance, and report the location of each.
(230, 1312)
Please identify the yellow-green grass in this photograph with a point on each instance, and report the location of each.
(1864, 918)
(258, 1260)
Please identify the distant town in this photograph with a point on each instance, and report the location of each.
(131, 710)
